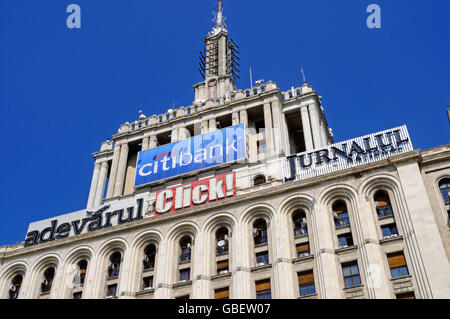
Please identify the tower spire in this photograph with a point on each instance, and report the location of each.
(219, 19)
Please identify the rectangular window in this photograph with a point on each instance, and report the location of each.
(185, 274)
(263, 289)
(351, 274)
(148, 282)
(397, 264)
(306, 283)
(222, 293)
(406, 295)
(342, 219)
(345, 240)
(112, 290)
(77, 295)
(222, 267)
(383, 211)
(302, 250)
(262, 258)
(389, 231)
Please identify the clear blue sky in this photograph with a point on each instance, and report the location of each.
(65, 91)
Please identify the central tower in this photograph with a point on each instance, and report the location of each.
(218, 64)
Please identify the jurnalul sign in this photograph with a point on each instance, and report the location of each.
(193, 154)
(347, 154)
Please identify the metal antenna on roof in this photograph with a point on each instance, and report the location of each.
(304, 77)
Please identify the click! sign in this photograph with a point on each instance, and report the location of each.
(195, 193)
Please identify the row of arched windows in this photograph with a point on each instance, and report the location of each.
(259, 233)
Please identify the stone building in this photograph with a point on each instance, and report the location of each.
(372, 226)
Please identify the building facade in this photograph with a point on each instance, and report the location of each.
(252, 227)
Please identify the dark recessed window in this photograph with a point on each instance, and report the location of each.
(112, 291)
(77, 295)
(300, 224)
(340, 214)
(260, 179)
(406, 295)
(263, 290)
(260, 232)
(302, 250)
(262, 258)
(148, 282)
(389, 231)
(397, 265)
(444, 186)
(306, 283)
(351, 275)
(185, 274)
(14, 287)
(383, 203)
(345, 240)
(222, 293)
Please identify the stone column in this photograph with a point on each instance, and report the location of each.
(372, 256)
(278, 136)
(426, 251)
(284, 284)
(212, 125)
(328, 275)
(200, 280)
(113, 173)
(205, 127)
(152, 142)
(161, 280)
(242, 280)
(101, 184)
(94, 183)
(307, 128)
(145, 143)
(323, 135)
(244, 118)
(269, 130)
(121, 170)
(315, 125)
(174, 135)
(235, 118)
(287, 141)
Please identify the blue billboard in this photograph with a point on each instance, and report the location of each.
(193, 154)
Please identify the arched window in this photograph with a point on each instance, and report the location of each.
(222, 241)
(340, 213)
(382, 203)
(149, 257)
(47, 281)
(444, 186)
(185, 249)
(114, 264)
(260, 232)
(82, 266)
(300, 226)
(14, 287)
(258, 180)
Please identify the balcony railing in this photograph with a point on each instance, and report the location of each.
(185, 257)
(300, 231)
(446, 199)
(222, 249)
(384, 211)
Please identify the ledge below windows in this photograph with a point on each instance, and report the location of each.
(145, 292)
(261, 268)
(304, 259)
(312, 296)
(182, 284)
(220, 276)
(391, 240)
(354, 292)
(344, 250)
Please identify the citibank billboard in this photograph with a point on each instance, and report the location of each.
(194, 154)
